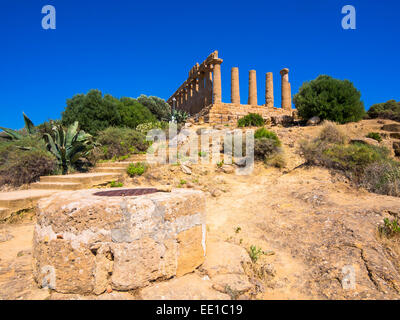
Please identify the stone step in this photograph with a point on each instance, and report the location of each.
(22, 199)
(57, 185)
(137, 157)
(114, 164)
(86, 179)
(111, 169)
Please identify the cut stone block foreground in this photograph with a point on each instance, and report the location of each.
(86, 243)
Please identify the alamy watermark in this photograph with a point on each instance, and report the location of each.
(49, 20)
(349, 20)
(203, 147)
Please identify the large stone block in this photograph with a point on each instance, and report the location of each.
(84, 242)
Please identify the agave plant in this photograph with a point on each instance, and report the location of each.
(179, 116)
(69, 145)
(16, 135)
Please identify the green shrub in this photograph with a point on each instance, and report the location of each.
(264, 133)
(374, 135)
(24, 161)
(136, 169)
(365, 165)
(264, 148)
(251, 120)
(157, 106)
(387, 110)
(389, 228)
(255, 253)
(329, 99)
(118, 142)
(96, 112)
(352, 158)
(116, 184)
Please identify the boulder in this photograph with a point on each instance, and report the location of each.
(90, 241)
(313, 121)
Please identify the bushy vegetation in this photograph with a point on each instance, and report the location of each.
(24, 161)
(116, 184)
(157, 106)
(365, 165)
(136, 169)
(264, 133)
(255, 253)
(96, 112)
(387, 110)
(144, 128)
(374, 135)
(117, 142)
(329, 99)
(251, 120)
(267, 147)
(390, 228)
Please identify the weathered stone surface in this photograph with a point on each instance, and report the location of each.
(189, 287)
(191, 249)
(144, 260)
(313, 121)
(224, 258)
(237, 283)
(85, 244)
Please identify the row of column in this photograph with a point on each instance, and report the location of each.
(269, 89)
(201, 89)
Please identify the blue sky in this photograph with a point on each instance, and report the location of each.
(127, 48)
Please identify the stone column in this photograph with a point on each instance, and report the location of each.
(217, 91)
(286, 91)
(208, 88)
(235, 93)
(201, 90)
(269, 90)
(190, 97)
(252, 88)
(185, 98)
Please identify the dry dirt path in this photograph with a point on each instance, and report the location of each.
(316, 226)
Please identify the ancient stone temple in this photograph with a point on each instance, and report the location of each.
(201, 95)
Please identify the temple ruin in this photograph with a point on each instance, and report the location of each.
(201, 95)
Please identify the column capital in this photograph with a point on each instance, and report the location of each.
(284, 71)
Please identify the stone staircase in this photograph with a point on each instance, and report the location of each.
(103, 173)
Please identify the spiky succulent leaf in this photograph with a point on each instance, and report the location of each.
(14, 135)
(29, 126)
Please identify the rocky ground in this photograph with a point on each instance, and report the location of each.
(308, 222)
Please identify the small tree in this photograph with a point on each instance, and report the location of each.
(329, 99)
(157, 106)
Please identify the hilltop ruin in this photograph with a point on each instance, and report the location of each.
(201, 95)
